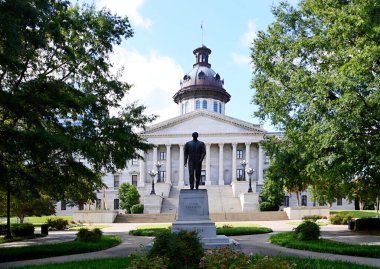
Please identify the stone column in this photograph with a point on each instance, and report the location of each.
(142, 167)
(181, 180)
(221, 166)
(155, 161)
(168, 165)
(247, 154)
(234, 147)
(208, 165)
(260, 173)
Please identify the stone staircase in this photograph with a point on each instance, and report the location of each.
(223, 207)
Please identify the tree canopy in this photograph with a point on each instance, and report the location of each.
(316, 76)
(57, 134)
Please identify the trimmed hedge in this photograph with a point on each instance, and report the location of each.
(3, 229)
(341, 218)
(307, 230)
(58, 224)
(22, 229)
(85, 235)
(137, 209)
(366, 224)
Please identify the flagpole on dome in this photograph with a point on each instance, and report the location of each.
(202, 32)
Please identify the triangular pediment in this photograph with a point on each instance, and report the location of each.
(203, 122)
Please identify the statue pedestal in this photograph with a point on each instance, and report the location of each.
(152, 204)
(193, 215)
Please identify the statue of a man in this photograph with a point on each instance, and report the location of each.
(195, 152)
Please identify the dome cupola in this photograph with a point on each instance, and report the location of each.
(202, 87)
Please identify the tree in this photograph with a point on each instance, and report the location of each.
(316, 76)
(56, 93)
(128, 196)
(27, 204)
(272, 194)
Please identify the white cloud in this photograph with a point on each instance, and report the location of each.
(241, 58)
(155, 79)
(247, 38)
(129, 8)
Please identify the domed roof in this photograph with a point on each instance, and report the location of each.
(202, 81)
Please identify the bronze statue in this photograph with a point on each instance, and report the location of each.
(195, 152)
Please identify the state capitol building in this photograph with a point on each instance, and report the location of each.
(230, 142)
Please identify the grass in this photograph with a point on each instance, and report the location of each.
(221, 229)
(122, 263)
(36, 220)
(325, 246)
(356, 213)
(52, 250)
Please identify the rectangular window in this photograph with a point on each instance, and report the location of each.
(339, 201)
(134, 180)
(63, 205)
(203, 177)
(286, 201)
(239, 154)
(98, 203)
(116, 204)
(162, 176)
(303, 200)
(162, 155)
(81, 206)
(135, 161)
(116, 181)
(240, 174)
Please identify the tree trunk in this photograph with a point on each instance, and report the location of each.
(361, 204)
(8, 235)
(298, 199)
(377, 207)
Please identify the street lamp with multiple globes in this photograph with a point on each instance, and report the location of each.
(153, 174)
(244, 164)
(158, 165)
(250, 172)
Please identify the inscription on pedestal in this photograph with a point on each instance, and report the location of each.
(193, 205)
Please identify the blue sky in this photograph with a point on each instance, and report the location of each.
(167, 32)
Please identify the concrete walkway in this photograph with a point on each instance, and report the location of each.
(250, 244)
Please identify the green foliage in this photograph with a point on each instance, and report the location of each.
(224, 258)
(58, 249)
(367, 224)
(231, 231)
(182, 249)
(86, 235)
(325, 246)
(146, 262)
(56, 93)
(3, 229)
(272, 194)
(313, 218)
(22, 229)
(58, 224)
(128, 196)
(307, 230)
(341, 218)
(137, 209)
(316, 70)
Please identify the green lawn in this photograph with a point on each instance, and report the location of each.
(51, 250)
(36, 220)
(356, 213)
(325, 246)
(15, 239)
(228, 229)
(122, 263)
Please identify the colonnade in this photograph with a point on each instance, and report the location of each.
(221, 162)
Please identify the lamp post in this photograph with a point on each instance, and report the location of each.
(153, 174)
(250, 172)
(244, 164)
(158, 165)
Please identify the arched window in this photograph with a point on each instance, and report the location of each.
(204, 104)
(197, 104)
(215, 106)
(220, 108)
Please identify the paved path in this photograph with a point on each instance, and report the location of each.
(249, 244)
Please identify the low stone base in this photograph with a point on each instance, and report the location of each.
(95, 216)
(249, 202)
(162, 189)
(239, 187)
(220, 241)
(152, 204)
(297, 213)
(204, 228)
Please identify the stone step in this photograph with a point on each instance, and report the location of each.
(216, 217)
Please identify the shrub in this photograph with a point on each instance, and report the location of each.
(139, 262)
(86, 235)
(307, 231)
(128, 196)
(57, 224)
(367, 224)
(341, 218)
(183, 249)
(3, 229)
(312, 218)
(267, 206)
(224, 258)
(137, 209)
(22, 229)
